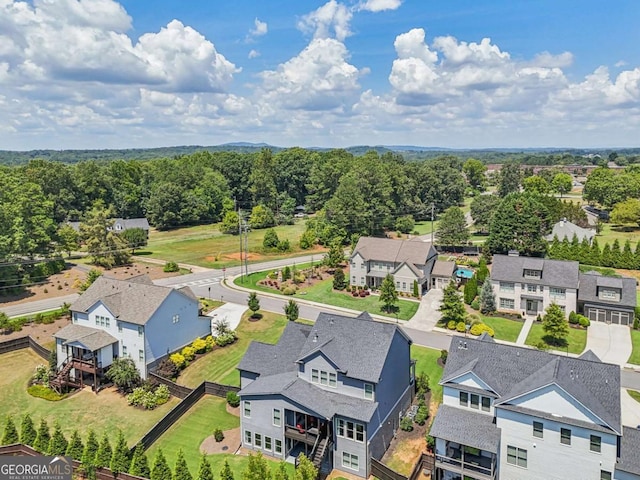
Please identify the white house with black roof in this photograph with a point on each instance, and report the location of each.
(528, 285)
(512, 413)
(335, 390)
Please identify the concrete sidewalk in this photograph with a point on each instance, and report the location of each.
(526, 328)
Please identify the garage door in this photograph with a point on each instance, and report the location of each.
(597, 315)
(621, 318)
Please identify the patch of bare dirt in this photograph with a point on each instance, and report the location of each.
(235, 256)
(233, 410)
(41, 333)
(138, 268)
(58, 285)
(229, 444)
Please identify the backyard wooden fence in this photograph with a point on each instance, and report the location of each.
(24, 342)
(101, 473)
(426, 462)
(176, 390)
(381, 471)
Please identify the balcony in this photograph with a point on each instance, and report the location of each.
(467, 462)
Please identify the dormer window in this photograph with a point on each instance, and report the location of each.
(368, 391)
(609, 294)
(529, 273)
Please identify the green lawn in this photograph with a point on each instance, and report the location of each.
(426, 361)
(220, 365)
(82, 410)
(622, 233)
(635, 353)
(322, 292)
(634, 394)
(577, 338)
(189, 432)
(205, 246)
(504, 328)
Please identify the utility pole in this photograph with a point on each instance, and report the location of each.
(432, 208)
(240, 235)
(246, 248)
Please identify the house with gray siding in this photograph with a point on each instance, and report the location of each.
(127, 318)
(512, 413)
(607, 299)
(408, 261)
(335, 390)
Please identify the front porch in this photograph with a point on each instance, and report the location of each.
(463, 461)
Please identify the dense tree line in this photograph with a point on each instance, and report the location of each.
(610, 255)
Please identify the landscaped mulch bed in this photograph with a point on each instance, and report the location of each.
(230, 444)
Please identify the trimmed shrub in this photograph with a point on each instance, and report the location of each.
(162, 394)
(210, 342)
(167, 369)
(573, 318)
(225, 339)
(444, 354)
(422, 414)
(199, 345)
(475, 304)
(479, 328)
(40, 391)
(188, 353)
(583, 321)
(291, 290)
(451, 325)
(461, 327)
(218, 435)
(233, 399)
(178, 360)
(171, 267)
(406, 424)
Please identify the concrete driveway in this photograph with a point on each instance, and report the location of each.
(427, 315)
(630, 410)
(230, 312)
(611, 343)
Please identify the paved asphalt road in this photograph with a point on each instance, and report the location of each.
(208, 284)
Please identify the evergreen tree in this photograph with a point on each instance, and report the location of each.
(103, 457)
(452, 308)
(257, 468)
(339, 282)
(554, 248)
(335, 256)
(606, 258)
(555, 326)
(616, 254)
(627, 259)
(270, 239)
(225, 473)
(281, 472)
(204, 471)
(90, 450)
(286, 273)
(564, 251)
(585, 251)
(595, 255)
(483, 271)
(253, 303)
(120, 460)
(27, 431)
(470, 290)
(160, 470)
(10, 435)
(75, 447)
(575, 248)
(41, 443)
(487, 298)
(181, 471)
(452, 227)
(139, 464)
(637, 256)
(305, 470)
(388, 294)
(58, 443)
(291, 310)
(416, 291)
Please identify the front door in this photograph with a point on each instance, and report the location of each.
(532, 307)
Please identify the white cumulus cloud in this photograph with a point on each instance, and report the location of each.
(380, 5)
(259, 29)
(331, 20)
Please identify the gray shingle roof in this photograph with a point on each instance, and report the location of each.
(92, 338)
(565, 229)
(326, 404)
(555, 273)
(133, 300)
(126, 223)
(443, 268)
(589, 283)
(467, 428)
(629, 459)
(358, 346)
(589, 355)
(265, 359)
(396, 251)
(512, 371)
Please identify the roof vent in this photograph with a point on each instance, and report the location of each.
(331, 321)
(462, 345)
(315, 338)
(514, 253)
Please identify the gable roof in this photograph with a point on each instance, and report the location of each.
(589, 283)
(358, 346)
(92, 338)
(565, 229)
(395, 251)
(134, 300)
(514, 371)
(556, 273)
(443, 268)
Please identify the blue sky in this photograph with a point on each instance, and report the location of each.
(462, 74)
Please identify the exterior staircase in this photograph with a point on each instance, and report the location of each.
(62, 377)
(320, 451)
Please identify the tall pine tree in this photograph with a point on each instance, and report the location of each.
(585, 251)
(27, 431)
(103, 457)
(616, 254)
(452, 308)
(181, 471)
(75, 447)
(487, 298)
(90, 450)
(120, 460)
(595, 255)
(204, 471)
(226, 473)
(305, 470)
(257, 468)
(627, 259)
(10, 435)
(58, 443)
(41, 443)
(160, 470)
(606, 258)
(281, 473)
(139, 464)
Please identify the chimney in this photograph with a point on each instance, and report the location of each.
(514, 253)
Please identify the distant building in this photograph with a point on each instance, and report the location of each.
(121, 224)
(335, 390)
(512, 413)
(565, 229)
(407, 260)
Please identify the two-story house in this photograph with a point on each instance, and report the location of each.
(607, 299)
(127, 318)
(334, 391)
(512, 413)
(408, 261)
(529, 285)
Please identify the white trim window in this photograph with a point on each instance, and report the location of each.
(368, 391)
(350, 430)
(277, 417)
(595, 443)
(74, 317)
(608, 294)
(324, 378)
(605, 475)
(350, 461)
(140, 330)
(529, 273)
(565, 436)
(124, 350)
(257, 440)
(516, 456)
(538, 429)
(532, 288)
(247, 437)
(246, 410)
(507, 287)
(556, 292)
(267, 443)
(175, 319)
(141, 355)
(119, 327)
(507, 303)
(278, 446)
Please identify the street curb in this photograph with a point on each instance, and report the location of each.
(229, 283)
